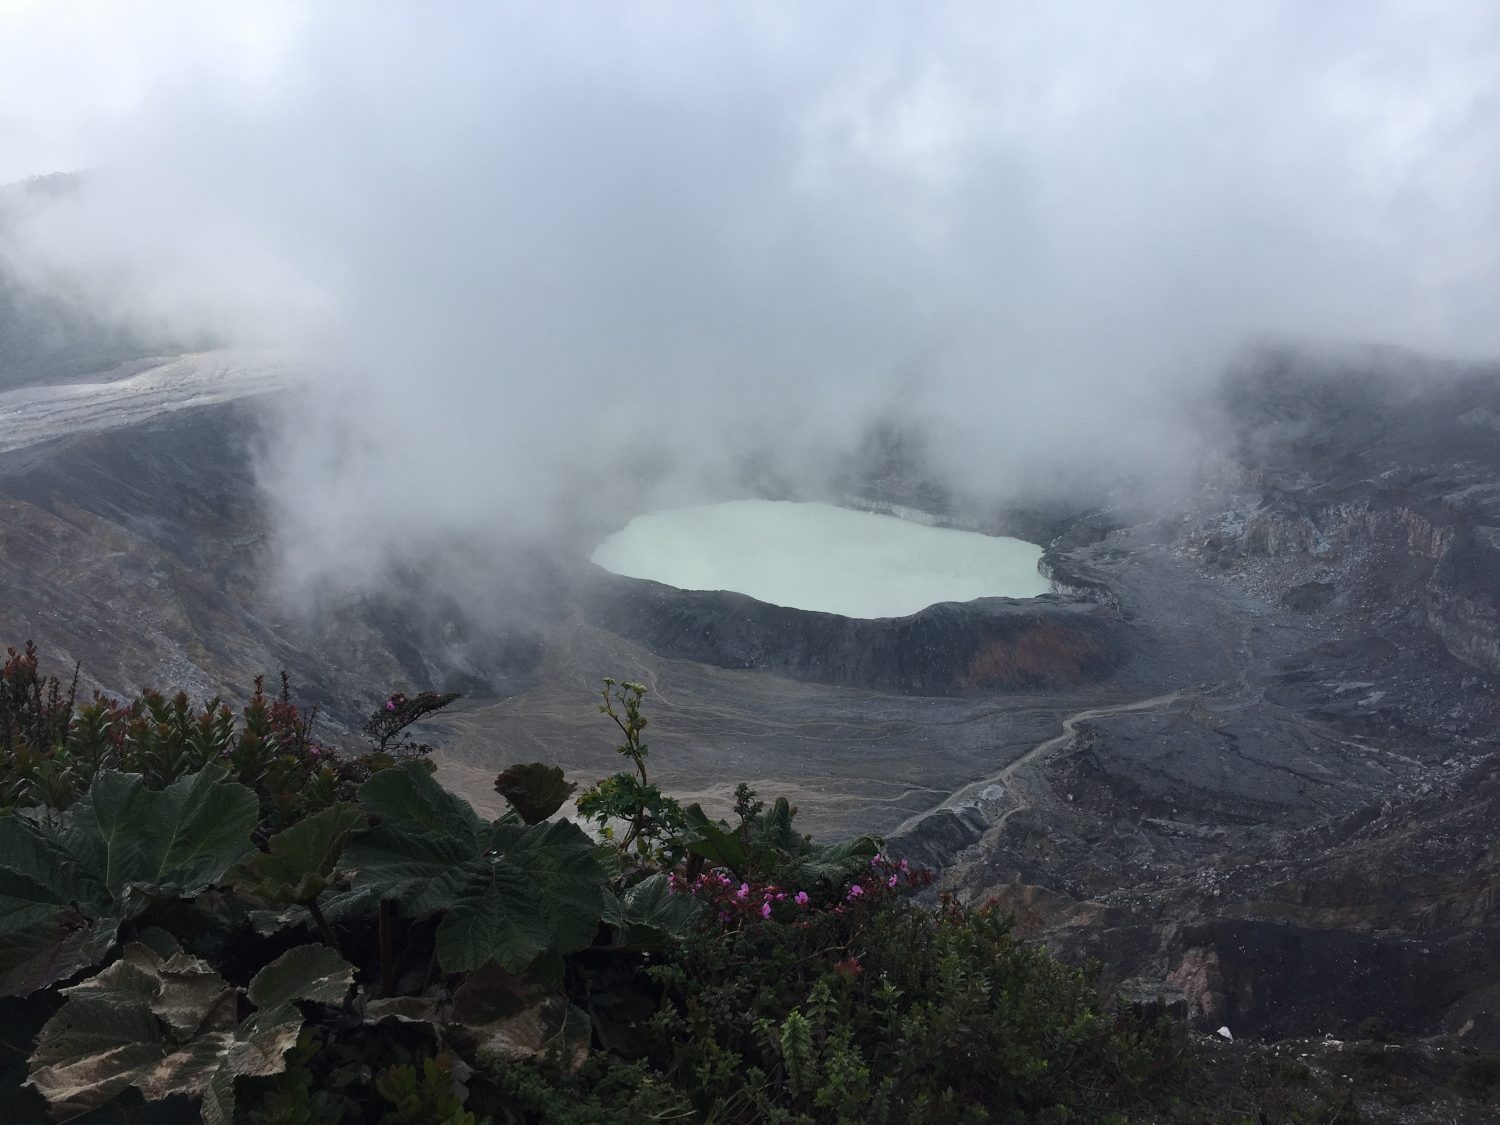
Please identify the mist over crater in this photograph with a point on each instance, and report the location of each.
(820, 557)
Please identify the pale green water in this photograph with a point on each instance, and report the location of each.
(820, 557)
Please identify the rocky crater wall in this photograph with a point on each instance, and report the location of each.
(984, 646)
(1451, 564)
(1463, 597)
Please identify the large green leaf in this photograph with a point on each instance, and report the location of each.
(534, 790)
(65, 890)
(714, 841)
(491, 915)
(179, 839)
(562, 863)
(54, 918)
(299, 861)
(507, 892)
(308, 972)
(422, 833)
(171, 1027)
(38, 874)
(51, 949)
(649, 916)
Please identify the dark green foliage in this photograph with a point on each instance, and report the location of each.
(1479, 1076)
(897, 1013)
(473, 970)
(765, 846)
(51, 747)
(66, 886)
(652, 916)
(299, 861)
(534, 790)
(425, 1095)
(506, 892)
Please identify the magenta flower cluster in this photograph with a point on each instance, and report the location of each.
(737, 901)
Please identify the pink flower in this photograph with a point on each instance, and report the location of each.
(855, 891)
(765, 910)
(905, 866)
(743, 892)
(390, 704)
(891, 882)
(801, 899)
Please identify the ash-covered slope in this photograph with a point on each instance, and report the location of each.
(1308, 844)
(143, 554)
(1399, 458)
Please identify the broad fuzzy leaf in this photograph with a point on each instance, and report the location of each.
(38, 874)
(180, 839)
(649, 916)
(518, 1018)
(507, 892)
(191, 995)
(562, 863)
(50, 949)
(300, 860)
(422, 834)
(544, 890)
(99, 1041)
(64, 892)
(170, 1027)
(535, 790)
(308, 972)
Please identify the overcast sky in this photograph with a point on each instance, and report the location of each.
(533, 240)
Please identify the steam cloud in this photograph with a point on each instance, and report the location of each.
(545, 255)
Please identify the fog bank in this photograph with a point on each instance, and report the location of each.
(548, 259)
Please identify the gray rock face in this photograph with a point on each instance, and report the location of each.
(980, 647)
(1463, 597)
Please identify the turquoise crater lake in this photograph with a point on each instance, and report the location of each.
(821, 557)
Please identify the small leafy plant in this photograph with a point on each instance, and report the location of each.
(654, 824)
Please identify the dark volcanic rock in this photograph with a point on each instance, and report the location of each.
(1276, 980)
(1463, 597)
(989, 645)
(1309, 597)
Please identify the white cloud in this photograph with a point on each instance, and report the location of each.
(542, 241)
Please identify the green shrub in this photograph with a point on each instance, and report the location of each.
(296, 937)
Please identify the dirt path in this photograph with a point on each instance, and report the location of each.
(974, 792)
